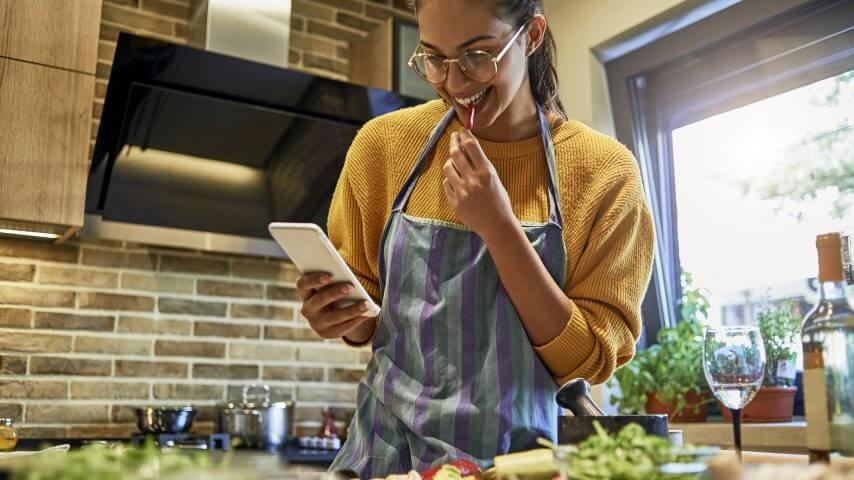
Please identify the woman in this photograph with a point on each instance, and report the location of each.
(507, 259)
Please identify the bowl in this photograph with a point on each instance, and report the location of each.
(165, 419)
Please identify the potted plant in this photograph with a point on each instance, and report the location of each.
(668, 377)
(775, 400)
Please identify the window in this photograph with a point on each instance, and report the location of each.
(754, 185)
(723, 115)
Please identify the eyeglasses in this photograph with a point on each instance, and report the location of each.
(478, 65)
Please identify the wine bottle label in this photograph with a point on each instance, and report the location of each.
(815, 403)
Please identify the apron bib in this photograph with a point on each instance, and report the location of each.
(453, 373)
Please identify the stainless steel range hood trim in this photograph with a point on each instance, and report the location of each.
(94, 226)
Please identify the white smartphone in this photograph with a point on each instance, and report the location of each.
(310, 250)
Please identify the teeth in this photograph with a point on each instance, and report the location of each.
(472, 99)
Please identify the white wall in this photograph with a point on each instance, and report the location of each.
(578, 26)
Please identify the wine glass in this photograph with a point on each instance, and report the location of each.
(734, 364)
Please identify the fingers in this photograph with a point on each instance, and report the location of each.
(461, 160)
(324, 297)
(308, 283)
(449, 192)
(451, 173)
(341, 329)
(471, 147)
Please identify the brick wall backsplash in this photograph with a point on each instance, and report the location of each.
(321, 32)
(91, 329)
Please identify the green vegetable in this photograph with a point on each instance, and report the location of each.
(99, 462)
(631, 454)
(780, 329)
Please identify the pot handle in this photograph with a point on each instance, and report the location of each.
(252, 392)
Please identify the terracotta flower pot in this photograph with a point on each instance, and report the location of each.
(770, 405)
(694, 411)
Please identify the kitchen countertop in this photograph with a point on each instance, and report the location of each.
(788, 437)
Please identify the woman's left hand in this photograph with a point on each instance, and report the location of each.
(474, 190)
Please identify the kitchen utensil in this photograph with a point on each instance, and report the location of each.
(165, 419)
(257, 422)
(574, 396)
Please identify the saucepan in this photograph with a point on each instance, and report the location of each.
(165, 419)
(257, 422)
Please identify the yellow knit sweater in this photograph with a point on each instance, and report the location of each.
(608, 229)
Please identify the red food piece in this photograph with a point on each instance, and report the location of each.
(466, 468)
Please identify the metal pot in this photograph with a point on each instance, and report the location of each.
(258, 424)
(165, 419)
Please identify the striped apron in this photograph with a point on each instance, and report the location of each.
(453, 373)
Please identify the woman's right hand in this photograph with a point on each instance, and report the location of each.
(330, 322)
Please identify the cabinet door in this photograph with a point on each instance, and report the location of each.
(44, 142)
(59, 33)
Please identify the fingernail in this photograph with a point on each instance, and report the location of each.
(363, 307)
(325, 279)
(346, 289)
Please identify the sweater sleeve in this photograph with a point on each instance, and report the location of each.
(355, 222)
(609, 281)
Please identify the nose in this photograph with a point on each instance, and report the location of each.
(457, 82)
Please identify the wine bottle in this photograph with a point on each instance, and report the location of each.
(828, 342)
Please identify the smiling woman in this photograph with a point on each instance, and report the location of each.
(507, 260)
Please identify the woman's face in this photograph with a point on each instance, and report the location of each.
(450, 27)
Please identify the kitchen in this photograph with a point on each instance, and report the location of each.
(113, 302)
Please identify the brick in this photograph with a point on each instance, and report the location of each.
(351, 5)
(189, 349)
(34, 342)
(26, 431)
(290, 333)
(141, 21)
(174, 10)
(116, 346)
(278, 272)
(312, 43)
(123, 414)
(13, 364)
(201, 265)
(28, 389)
(15, 317)
(280, 293)
(191, 307)
(97, 110)
(346, 375)
(100, 92)
(311, 9)
(219, 371)
(38, 251)
(268, 312)
(343, 53)
(278, 393)
(293, 57)
(326, 394)
(182, 33)
(125, 3)
(14, 411)
(35, 297)
(297, 23)
(73, 321)
(116, 259)
(293, 374)
(106, 432)
(134, 368)
(404, 5)
(17, 273)
(354, 21)
(78, 277)
(159, 326)
(332, 32)
(38, 413)
(102, 71)
(69, 366)
(187, 392)
(307, 414)
(327, 355)
(112, 301)
(230, 289)
(261, 351)
(157, 283)
(384, 13)
(109, 390)
(216, 329)
(106, 52)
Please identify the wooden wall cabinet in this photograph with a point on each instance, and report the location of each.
(48, 53)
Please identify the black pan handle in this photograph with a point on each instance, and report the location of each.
(574, 395)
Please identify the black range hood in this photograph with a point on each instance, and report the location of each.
(202, 150)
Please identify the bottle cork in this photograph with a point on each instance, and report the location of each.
(829, 247)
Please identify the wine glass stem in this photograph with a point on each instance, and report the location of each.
(736, 430)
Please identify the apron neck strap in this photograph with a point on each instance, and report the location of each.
(408, 186)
